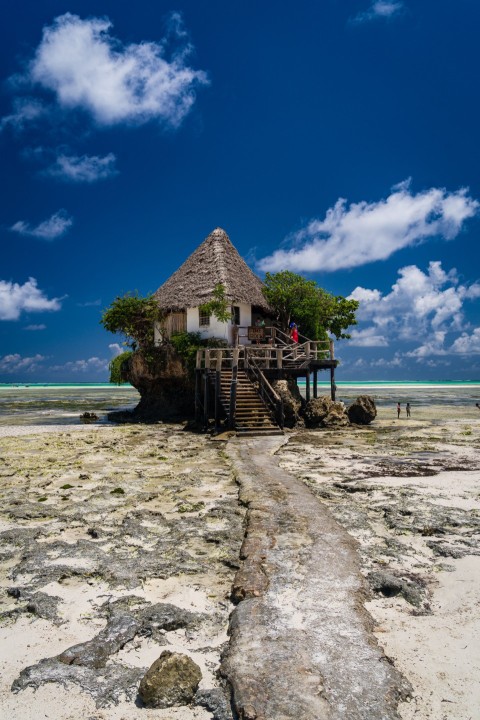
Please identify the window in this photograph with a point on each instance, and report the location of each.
(203, 318)
(235, 315)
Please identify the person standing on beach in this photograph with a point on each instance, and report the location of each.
(398, 410)
(407, 408)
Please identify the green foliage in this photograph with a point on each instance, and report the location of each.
(134, 317)
(118, 367)
(186, 344)
(218, 306)
(316, 311)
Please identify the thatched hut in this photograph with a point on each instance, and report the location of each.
(214, 262)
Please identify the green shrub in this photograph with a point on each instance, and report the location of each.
(118, 367)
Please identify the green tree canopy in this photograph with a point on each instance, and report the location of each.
(316, 311)
(134, 317)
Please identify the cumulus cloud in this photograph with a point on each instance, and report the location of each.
(368, 337)
(82, 169)
(467, 344)
(86, 68)
(422, 306)
(15, 299)
(361, 233)
(35, 327)
(11, 364)
(93, 364)
(380, 9)
(116, 349)
(50, 229)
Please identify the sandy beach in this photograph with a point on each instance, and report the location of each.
(146, 521)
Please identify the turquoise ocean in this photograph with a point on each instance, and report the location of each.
(51, 403)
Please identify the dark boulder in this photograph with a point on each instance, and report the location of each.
(293, 402)
(324, 412)
(362, 411)
(173, 679)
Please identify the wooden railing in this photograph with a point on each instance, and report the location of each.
(270, 398)
(266, 356)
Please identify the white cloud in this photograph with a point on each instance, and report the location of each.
(467, 344)
(25, 111)
(90, 303)
(422, 306)
(86, 68)
(93, 364)
(369, 337)
(50, 229)
(350, 236)
(35, 327)
(15, 299)
(116, 349)
(16, 363)
(379, 9)
(82, 169)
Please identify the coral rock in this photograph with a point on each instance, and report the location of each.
(173, 679)
(362, 411)
(324, 412)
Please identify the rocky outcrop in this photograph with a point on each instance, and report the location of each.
(166, 387)
(293, 403)
(173, 679)
(324, 412)
(362, 411)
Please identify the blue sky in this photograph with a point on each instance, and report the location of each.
(336, 138)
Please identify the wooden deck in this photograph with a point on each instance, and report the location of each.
(260, 364)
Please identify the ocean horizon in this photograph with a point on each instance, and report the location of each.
(64, 403)
(301, 381)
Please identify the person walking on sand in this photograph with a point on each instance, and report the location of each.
(398, 410)
(407, 408)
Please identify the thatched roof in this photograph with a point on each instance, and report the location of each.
(214, 261)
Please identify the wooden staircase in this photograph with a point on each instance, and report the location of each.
(252, 416)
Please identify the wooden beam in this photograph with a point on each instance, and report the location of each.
(307, 385)
(315, 383)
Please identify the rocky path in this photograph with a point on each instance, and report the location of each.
(301, 641)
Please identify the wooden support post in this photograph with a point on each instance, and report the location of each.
(307, 350)
(332, 351)
(235, 355)
(307, 385)
(315, 383)
(217, 399)
(333, 387)
(279, 358)
(205, 400)
(198, 379)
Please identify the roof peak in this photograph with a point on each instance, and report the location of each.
(218, 232)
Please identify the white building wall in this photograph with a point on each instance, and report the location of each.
(217, 329)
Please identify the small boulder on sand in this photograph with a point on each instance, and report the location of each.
(362, 411)
(324, 412)
(173, 679)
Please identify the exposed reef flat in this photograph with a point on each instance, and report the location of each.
(120, 542)
(409, 493)
(117, 543)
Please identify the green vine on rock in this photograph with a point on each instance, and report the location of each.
(119, 366)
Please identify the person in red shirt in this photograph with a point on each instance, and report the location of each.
(294, 332)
